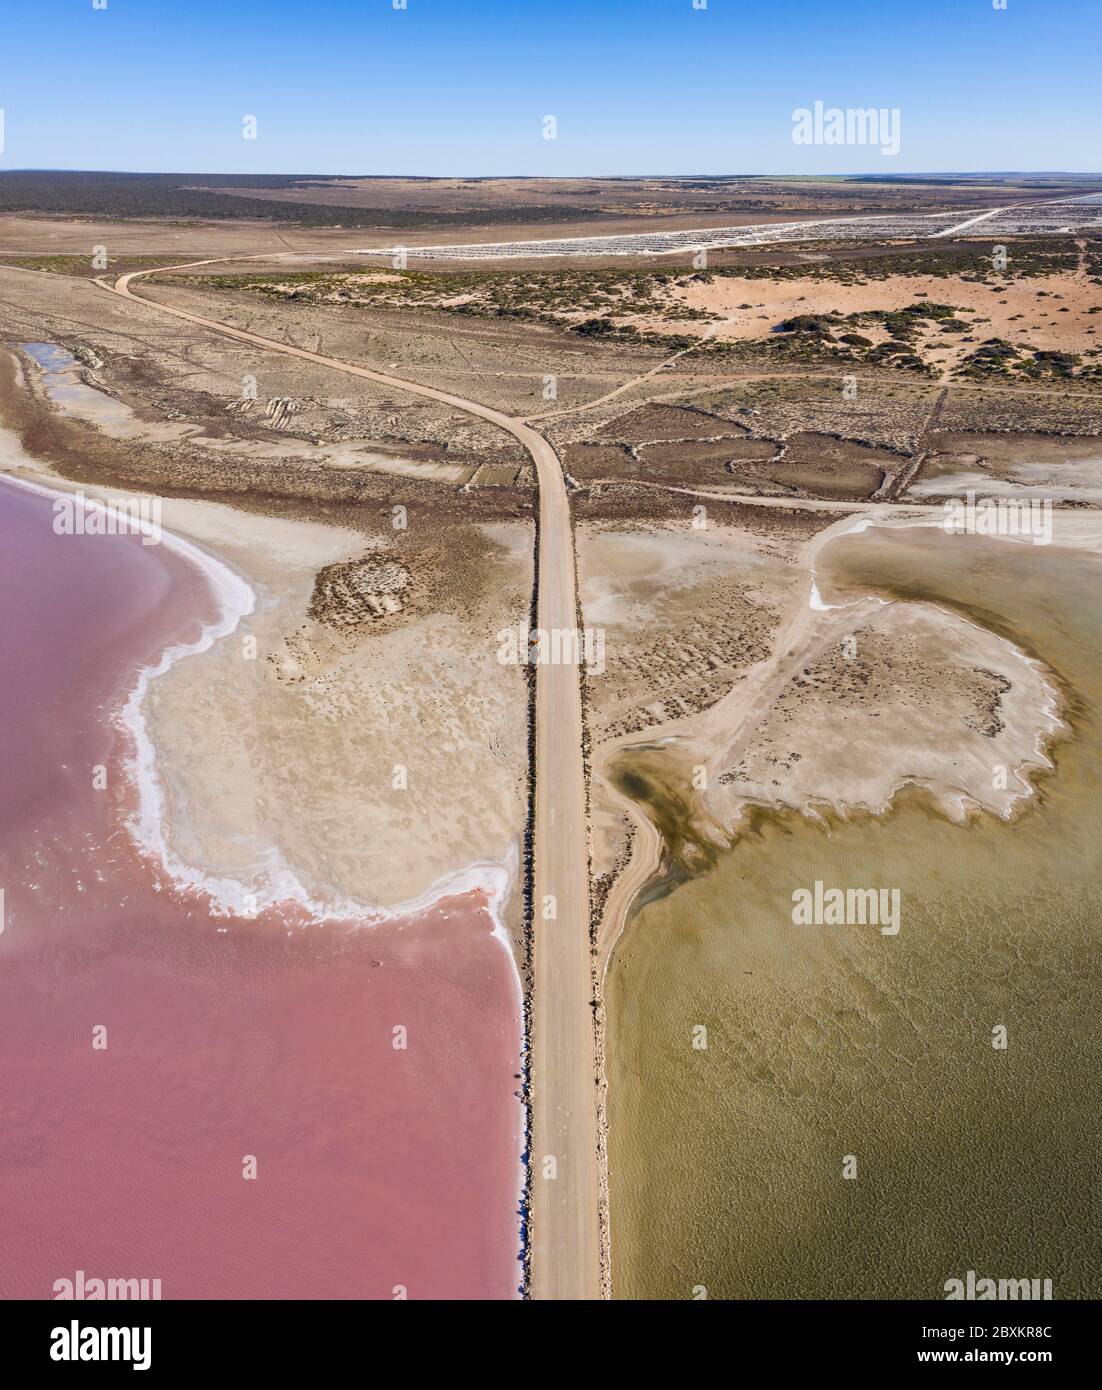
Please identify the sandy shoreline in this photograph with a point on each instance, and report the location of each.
(253, 565)
(741, 716)
(235, 600)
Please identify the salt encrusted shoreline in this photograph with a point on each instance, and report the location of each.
(235, 599)
(1072, 530)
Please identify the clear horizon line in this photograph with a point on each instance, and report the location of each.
(565, 178)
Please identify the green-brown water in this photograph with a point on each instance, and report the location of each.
(726, 1163)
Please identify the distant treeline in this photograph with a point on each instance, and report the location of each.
(174, 196)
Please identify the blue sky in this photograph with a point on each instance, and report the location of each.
(462, 86)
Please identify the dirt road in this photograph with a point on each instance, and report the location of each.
(566, 1255)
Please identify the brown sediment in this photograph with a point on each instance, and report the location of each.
(677, 831)
(818, 1034)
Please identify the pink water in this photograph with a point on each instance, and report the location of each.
(376, 1167)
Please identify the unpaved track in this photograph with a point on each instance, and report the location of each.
(566, 1256)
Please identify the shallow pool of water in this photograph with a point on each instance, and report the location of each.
(834, 1047)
